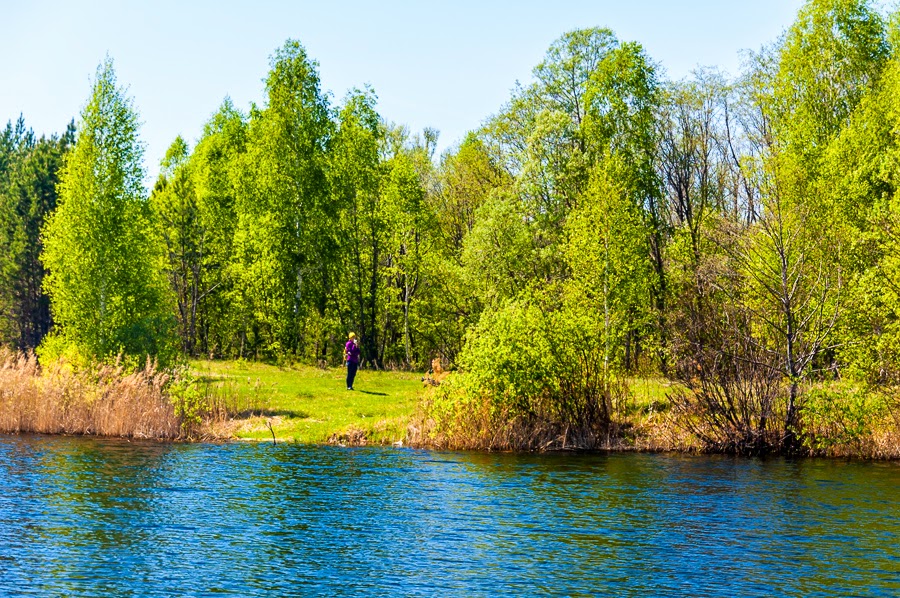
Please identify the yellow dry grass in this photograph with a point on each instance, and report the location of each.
(105, 400)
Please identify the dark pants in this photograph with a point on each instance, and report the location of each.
(352, 366)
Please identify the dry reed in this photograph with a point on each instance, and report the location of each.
(477, 424)
(105, 400)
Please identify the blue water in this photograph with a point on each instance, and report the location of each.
(88, 517)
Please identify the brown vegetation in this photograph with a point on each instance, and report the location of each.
(451, 418)
(730, 410)
(435, 375)
(104, 400)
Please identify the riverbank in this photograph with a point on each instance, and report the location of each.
(310, 405)
(239, 400)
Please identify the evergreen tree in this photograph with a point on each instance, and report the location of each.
(29, 170)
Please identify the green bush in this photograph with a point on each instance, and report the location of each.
(840, 416)
(534, 371)
(188, 399)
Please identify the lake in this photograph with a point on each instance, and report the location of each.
(93, 517)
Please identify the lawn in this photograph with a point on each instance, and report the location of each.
(311, 405)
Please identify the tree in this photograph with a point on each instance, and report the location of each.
(103, 257)
(283, 239)
(611, 268)
(621, 128)
(410, 222)
(28, 179)
(176, 211)
(356, 175)
(833, 53)
(215, 167)
(465, 180)
(783, 271)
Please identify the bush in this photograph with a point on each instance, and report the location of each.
(534, 375)
(838, 417)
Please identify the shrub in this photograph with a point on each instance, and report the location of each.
(839, 418)
(535, 375)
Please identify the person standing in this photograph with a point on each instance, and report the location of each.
(351, 357)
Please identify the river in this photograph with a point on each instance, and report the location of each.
(92, 517)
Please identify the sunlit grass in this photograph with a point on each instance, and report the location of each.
(311, 405)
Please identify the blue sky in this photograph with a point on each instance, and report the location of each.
(447, 65)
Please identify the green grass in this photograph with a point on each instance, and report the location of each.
(649, 393)
(311, 405)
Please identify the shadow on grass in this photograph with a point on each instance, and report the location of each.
(212, 378)
(369, 392)
(289, 413)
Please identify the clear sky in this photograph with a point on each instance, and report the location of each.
(448, 64)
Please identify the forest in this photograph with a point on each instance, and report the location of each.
(738, 236)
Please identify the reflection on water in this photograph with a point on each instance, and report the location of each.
(98, 517)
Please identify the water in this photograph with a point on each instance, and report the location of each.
(87, 517)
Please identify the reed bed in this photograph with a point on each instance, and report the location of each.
(104, 400)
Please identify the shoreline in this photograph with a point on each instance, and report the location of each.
(419, 447)
(238, 401)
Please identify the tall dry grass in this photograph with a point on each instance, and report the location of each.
(105, 400)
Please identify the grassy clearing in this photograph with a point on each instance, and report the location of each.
(311, 405)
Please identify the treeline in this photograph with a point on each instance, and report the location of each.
(29, 174)
(286, 227)
(738, 235)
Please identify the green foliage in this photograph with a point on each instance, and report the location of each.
(830, 57)
(29, 173)
(101, 250)
(498, 254)
(356, 174)
(189, 399)
(57, 348)
(842, 416)
(611, 270)
(538, 358)
(282, 205)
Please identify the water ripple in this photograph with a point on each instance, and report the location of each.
(92, 517)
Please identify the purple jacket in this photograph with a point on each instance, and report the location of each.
(352, 351)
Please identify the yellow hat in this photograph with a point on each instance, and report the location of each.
(351, 335)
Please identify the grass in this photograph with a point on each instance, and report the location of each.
(104, 400)
(311, 405)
